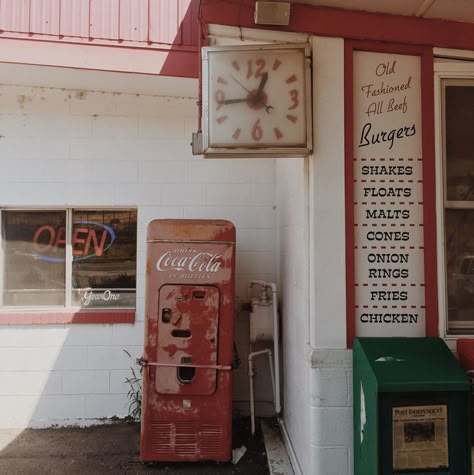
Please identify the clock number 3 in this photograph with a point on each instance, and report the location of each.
(294, 99)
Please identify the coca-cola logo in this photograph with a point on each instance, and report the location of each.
(198, 262)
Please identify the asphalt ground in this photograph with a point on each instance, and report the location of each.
(114, 449)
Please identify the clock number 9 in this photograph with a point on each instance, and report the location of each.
(294, 99)
(219, 97)
(257, 131)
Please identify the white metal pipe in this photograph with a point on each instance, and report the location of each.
(251, 375)
(276, 346)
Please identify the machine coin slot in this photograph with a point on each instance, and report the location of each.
(165, 315)
(177, 333)
(199, 294)
(186, 374)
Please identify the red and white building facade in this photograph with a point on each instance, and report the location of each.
(370, 235)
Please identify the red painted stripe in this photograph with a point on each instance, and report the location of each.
(81, 316)
(356, 25)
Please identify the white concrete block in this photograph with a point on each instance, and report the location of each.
(183, 194)
(331, 358)
(253, 216)
(160, 149)
(111, 357)
(32, 335)
(57, 194)
(86, 382)
(228, 194)
(16, 411)
(329, 387)
(248, 262)
(99, 148)
(263, 193)
(127, 335)
(41, 358)
(169, 128)
(65, 126)
(162, 172)
(206, 212)
(90, 335)
(53, 408)
(146, 214)
(71, 358)
(19, 148)
(30, 383)
(106, 405)
(252, 240)
(133, 194)
(29, 100)
(330, 460)
(115, 127)
(121, 171)
(118, 384)
(155, 106)
(331, 426)
(263, 170)
(92, 104)
(207, 171)
(66, 171)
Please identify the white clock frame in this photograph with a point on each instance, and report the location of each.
(230, 149)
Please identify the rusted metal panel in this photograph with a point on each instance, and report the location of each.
(15, 15)
(134, 20)
(187, 335)
(104, 19)
(74, 20)
(186, 409)
(165, 16)
(44, 17)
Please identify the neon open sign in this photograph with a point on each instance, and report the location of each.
(89, 239)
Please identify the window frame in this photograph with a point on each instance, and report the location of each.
(451, 67)
(67, 313)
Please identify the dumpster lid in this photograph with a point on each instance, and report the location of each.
(411, 364)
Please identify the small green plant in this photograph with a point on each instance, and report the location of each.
(134, 394)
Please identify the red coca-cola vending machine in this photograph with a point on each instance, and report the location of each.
(187, 372)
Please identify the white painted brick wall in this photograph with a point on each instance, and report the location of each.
(84, 148)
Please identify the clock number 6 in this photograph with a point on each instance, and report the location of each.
(294, 99)
(257, 131)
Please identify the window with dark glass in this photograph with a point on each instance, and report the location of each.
(459, 204)
(76, 257)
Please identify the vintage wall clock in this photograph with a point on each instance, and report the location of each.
(256, 100)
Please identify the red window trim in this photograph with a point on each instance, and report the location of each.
(429, 180)
(31, 317)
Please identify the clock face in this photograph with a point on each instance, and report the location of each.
(257, 98)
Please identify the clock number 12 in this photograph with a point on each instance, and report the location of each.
(260, 66)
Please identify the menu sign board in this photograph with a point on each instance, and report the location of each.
(388, 195)
(420, 437)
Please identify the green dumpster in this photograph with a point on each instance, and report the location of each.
(411, 408)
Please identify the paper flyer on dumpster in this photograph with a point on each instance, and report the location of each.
(420, 437)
